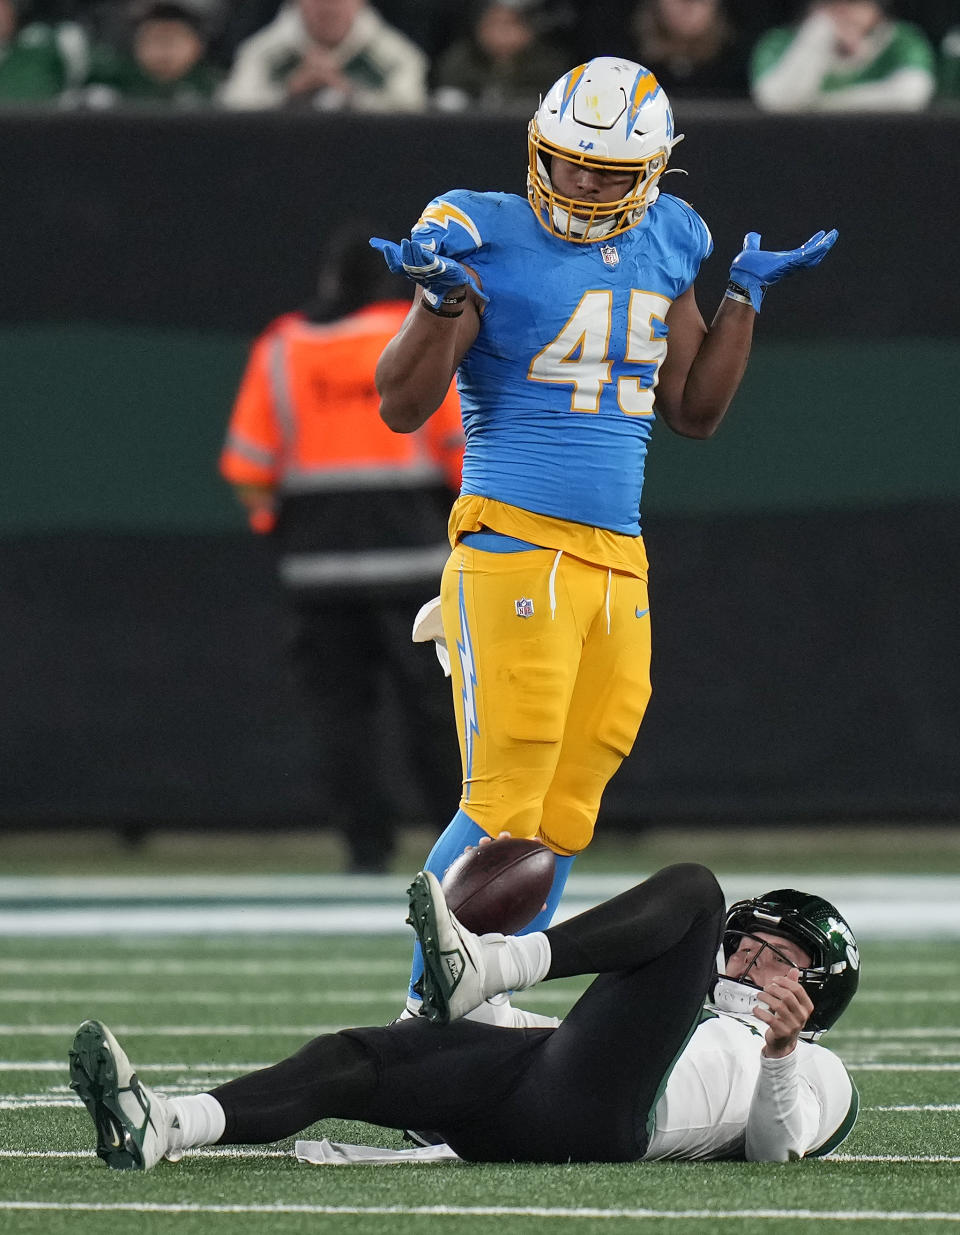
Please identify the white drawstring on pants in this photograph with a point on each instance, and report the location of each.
(553, 585)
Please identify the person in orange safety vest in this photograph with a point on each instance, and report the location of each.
(358, 517)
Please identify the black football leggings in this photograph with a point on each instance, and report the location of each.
(582, 1092)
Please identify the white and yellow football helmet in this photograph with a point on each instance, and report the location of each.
(608, 114)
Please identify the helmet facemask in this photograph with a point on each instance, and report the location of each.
(811, 976)
(608, 115)
(732, 941)
(577, 219)
(833, 974)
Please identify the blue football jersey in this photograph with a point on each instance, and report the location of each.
(557, 391)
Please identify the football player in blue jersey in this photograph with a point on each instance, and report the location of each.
(570, 321)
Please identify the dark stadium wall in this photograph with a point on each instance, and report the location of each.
(215, 221)
(804, 668)
(804, 561)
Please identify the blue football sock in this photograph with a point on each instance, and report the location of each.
(560, 872)
(460, 832)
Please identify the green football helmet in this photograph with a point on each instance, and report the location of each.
(832, 977)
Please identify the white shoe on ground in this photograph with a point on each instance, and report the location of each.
(133, 1123)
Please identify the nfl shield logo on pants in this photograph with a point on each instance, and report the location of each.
(524, 607)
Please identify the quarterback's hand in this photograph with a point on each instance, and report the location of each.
(785, 1007)
(435, 274)
(754, 269)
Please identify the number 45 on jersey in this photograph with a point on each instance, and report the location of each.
(580, 355)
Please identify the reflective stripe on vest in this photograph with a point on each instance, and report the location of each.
(249, 451)
(316, 480)
(373, 566)
(280, 389)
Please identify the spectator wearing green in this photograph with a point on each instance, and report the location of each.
(844, 55)
(38, 60)
(166, 62)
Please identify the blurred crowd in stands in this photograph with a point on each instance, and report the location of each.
(487, 55)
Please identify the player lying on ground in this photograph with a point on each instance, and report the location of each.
(570, 319)
(639, 1069)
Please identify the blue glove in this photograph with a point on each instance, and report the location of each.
(438, 276)
(754, 269)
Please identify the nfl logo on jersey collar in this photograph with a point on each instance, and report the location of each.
(610, 255)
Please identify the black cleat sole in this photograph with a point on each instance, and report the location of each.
(422, 918)
(93, 1077)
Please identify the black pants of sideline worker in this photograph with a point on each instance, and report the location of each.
(582, 1092)
(383, 733)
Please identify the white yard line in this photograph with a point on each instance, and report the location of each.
(343, 994)
(226, 1152)
(884, 1037)
(51, 1102)
(497, 1211)
(904, 1067)
(923, 1105)
(379, 887)
(892, 1158)
(57, 1065)
(54, 1098)
(232, 1151)
(256, 999)
(180, 1031)
(908, 1033)
(285, 967)
(158, 967)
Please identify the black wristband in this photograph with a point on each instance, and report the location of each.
(441, 308)
(736, 292)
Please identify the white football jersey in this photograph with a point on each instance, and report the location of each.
(716, 1090)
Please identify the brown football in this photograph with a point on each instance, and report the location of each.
(500, 886)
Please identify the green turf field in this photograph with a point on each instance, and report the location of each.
(194, 1012)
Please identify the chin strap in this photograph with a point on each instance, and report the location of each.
(727, 995)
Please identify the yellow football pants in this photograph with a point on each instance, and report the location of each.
(550, 660)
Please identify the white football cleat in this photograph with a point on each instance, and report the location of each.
(454, 969)
(133, 1123)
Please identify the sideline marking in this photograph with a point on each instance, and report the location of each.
(181, 1031)
(924, 1105)
(231, 1070)
(206, 1069)
(229, 1151)
(286, 967)
(905, 1067)
(253, 998)
(888, 1038)
(915, 1031)
(59, 1096)
(492, 1211)
(54, 994)
(154, 968)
